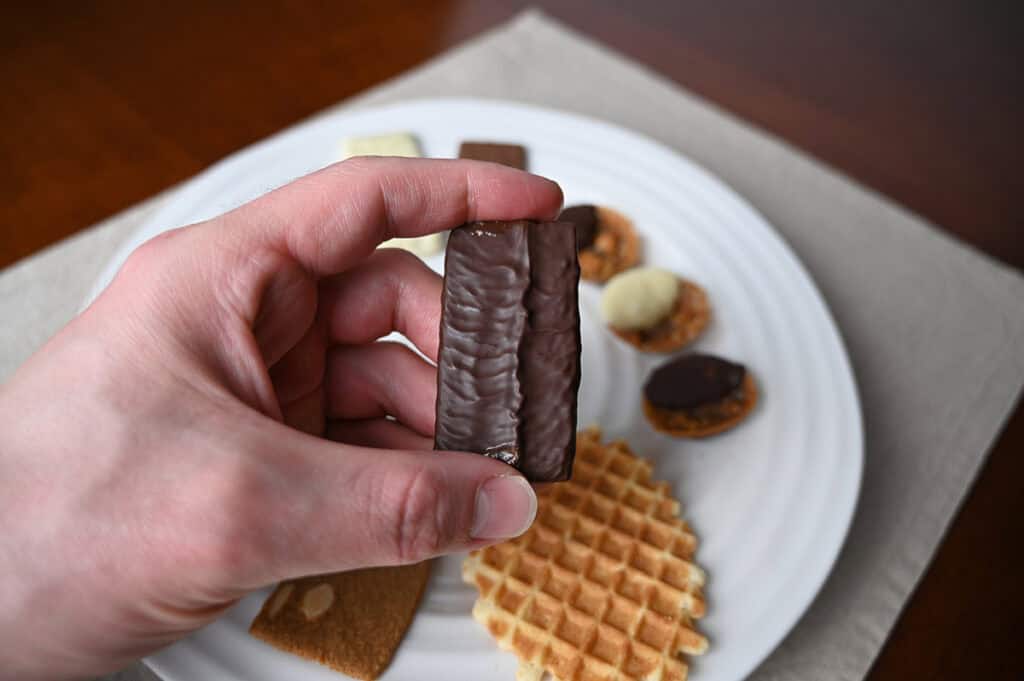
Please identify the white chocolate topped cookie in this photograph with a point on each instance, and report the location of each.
(639, 298)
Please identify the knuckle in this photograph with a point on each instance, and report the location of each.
(151, 251)
(405, 271)
(148, 258)
(228, 557)
(420, 528)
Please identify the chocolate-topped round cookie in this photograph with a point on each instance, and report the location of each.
(697, 395)
(584, 217)
(693, 380)
(605, 241)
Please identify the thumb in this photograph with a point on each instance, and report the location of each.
(344, 507)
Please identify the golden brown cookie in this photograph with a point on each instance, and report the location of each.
(688, 317)
(606, 240)
(698, 395)
(349, 621)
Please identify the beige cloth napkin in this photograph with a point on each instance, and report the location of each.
(935, 330)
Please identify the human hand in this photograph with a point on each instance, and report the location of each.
(160, 457)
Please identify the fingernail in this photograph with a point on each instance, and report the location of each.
(505, 508)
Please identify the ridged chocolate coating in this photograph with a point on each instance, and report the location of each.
(549, 357)
(483, 320)
(508, 362)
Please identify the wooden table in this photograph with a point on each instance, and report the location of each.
(106, 103)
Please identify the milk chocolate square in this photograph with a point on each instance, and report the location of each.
(511, 155)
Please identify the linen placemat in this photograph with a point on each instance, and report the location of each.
(935, 330)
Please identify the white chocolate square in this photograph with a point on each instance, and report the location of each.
(395, 144)
(423, 246)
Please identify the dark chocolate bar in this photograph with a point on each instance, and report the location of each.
(511, 155)
(509, 357)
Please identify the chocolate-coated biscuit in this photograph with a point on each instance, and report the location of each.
(508, 367)
(698, 395)
(584, 217)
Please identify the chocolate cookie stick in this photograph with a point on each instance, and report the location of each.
(509, 356)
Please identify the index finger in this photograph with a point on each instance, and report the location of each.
(335, 217)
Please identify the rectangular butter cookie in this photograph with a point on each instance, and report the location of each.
(349, 621)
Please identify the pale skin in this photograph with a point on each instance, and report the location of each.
(217, 420)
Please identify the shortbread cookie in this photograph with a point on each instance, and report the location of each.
(349, 621)
(698, 395)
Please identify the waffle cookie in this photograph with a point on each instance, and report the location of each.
(602, 586)
(349, 621)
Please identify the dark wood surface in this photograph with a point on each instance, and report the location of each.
(106, 103)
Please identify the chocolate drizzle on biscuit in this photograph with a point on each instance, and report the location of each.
(692, 381)
(585, 219)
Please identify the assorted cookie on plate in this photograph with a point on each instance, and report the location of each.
(697, 395)
(604, 584)
(349, 621)
(606, 240)
(654, 310)
(390, 144)
(511, 155)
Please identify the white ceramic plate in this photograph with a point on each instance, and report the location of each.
(771, 501)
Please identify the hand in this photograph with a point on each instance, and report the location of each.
(162, 455)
